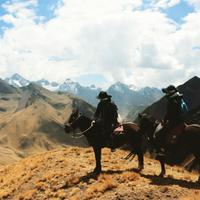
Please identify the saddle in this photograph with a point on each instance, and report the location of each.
(174, 133)
(119, 130)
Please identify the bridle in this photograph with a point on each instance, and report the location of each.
(80, 134)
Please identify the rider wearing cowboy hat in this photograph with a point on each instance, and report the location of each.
(175, 106)
(106, 112)
(174, 116)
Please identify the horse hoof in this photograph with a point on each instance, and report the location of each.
(198, 181)
(139, 169)
(96, 171)
(161, 174)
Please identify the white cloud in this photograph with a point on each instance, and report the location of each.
(195, 3)
(113, 38)
(164, 4)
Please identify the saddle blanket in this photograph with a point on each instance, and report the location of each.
(118, 130)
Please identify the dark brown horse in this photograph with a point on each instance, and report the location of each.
(130, 136)
(188, 142)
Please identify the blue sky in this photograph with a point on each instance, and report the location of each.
(46, 7)
(138, 42)
(179, 11)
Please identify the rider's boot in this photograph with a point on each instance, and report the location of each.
(160, 153)
(112, 147)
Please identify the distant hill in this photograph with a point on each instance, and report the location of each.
(129, 99)
(32, 118)
(133, 113)
(9, 97)
(6, 88)
(191, 94)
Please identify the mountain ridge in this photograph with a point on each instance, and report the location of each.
(32, 121)
(129, 94)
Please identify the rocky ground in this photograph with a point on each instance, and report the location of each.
(65, 174)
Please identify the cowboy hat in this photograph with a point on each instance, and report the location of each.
(170, 89)
(103, 95)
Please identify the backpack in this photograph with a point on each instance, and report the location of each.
(184, 107)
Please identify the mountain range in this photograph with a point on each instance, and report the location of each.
(125, 96)
(32, 118)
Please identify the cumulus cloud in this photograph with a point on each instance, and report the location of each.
(116, 38)
(195, 3)
(162, 4)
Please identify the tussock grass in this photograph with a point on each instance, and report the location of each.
(65, 174)
(105, 182)
(194, 196)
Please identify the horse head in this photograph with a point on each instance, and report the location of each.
(147, 124)
(77, 121)
(71, 123)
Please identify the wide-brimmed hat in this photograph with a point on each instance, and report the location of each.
(103, 95)
(171, 89)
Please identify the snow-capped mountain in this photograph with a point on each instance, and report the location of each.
(125, 96)
(69, 86)
(87, 93)
(53, 86)
(17, 80)
(128, 97)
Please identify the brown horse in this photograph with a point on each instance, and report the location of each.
(188, 142)
(130, 136)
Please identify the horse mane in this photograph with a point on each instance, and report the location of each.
(132, 124)
(86, 117)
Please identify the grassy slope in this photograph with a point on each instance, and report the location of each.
(65, 174)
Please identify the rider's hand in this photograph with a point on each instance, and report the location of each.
(163, 122)
(92, 123)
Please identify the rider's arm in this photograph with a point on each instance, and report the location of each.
(98, 111)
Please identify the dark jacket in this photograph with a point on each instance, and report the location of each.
(107, 111)
(174, 113)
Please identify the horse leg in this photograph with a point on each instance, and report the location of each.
(97, 153)
(140, 161)
(198, 181)
(197, 161)
(162, 164)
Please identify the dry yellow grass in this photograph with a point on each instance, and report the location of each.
(65, 174)
(194, 196)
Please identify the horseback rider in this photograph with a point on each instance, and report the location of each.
(106, 113)
(174, 117)
(176, 107)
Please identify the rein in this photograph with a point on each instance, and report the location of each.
(81, 134)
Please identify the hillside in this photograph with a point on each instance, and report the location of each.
(32, 121)
(6, 88)
(65, 174)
